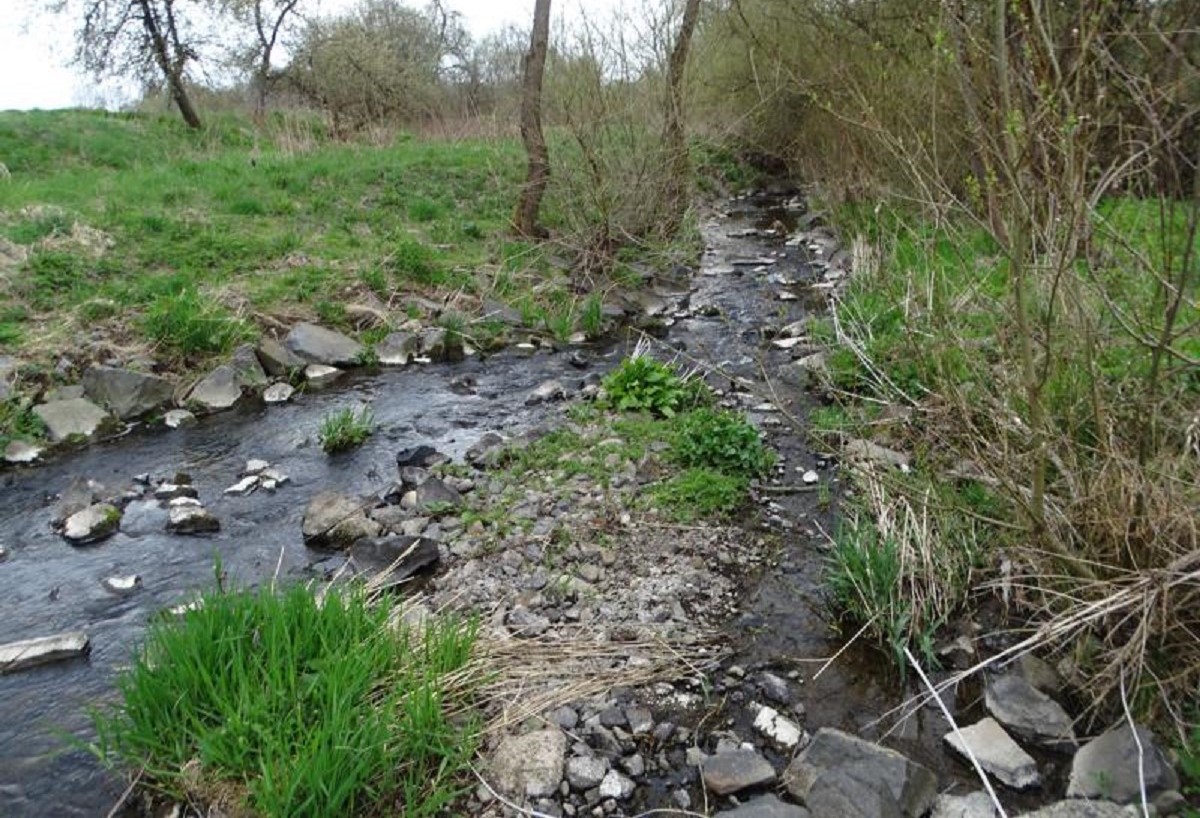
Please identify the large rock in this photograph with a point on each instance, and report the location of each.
(249, 370)
(74, 417)
(737, 770)
(398, 349)
(842, 775)
(278, 360)
(530, 765)
(976, 805)
(1084, 809)
(334, 520)
(1028, 712)
(1107, 767)
(318, 345)
(997, 753)
(126, 393)
(765, 806)
(403, 556)
(220, 389)
(92, 524)
(31, 652)
(191, 519)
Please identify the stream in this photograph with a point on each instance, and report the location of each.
(49, 586)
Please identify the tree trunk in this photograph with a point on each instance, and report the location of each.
(676, 187)
(533, 64)
(172, 69)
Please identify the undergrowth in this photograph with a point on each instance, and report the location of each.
(345, 429)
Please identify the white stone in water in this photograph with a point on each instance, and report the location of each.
(772, 724)
(18, 451)
(122, 585)
(268, 485)
(275, 476)
(811, 477)
(787, 343)
(786, 296)
(319, 375)
(184, 501)
(30, 652)
(244, 486)
(278, 393)
(256, 466)
(177, 418)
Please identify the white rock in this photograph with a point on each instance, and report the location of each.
(784, 295)
(184, 501)
(278, 393)
(772, 724)
(275, 475)
(256, 466)
(176, 418)
(18, 451)
(122, 585)
(30, 652)
(997, 753)
(319, 375)
(787, 343)
(811, 477)
(616, 786)
(244, 486)
(92, 523)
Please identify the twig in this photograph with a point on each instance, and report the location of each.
(844, 647)
(1141, 753)
(125, 795)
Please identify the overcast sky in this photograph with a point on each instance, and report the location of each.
(34, 49)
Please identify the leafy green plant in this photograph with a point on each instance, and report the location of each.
(191, 323)
(641, 383)
(696, 494)
(721, 441)
(864, 580)
(289, 706)
(345, 429)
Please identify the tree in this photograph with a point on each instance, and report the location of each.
(141, 38)
(676, 192)
(268, 19)
(533, 66)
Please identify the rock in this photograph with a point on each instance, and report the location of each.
(421, 456)
(126, 393)
(765, 806)
(438, 345)
(244, 486)
(255, 466)
(122, 586)
(92, 524)
(546, 392)
(74, 417)
(18, 451)
(530, 765)
(219, 389)
(70, 392)
(840, 772)
(865, 450)
(278, 393)
(976, 805)
(177, 418)
(1039, 673)
(640, 720)
(523, 622)
(616, 786)
(1084, 809)
(809, 477)
(276, 359)
(333, 520)
(772, 724)
(434, 491)
(1028, 712)
(731, 772)
(317, 345)
(318, 376)
(191, 519)
(775, 688)
(1107, 767)
(485, 451)
(585, 772)
(31, 652)
(401, 556)
(249, 371)
(398, 349)
(78, 495)
(142, 518)
(169, 491)
(998, 754)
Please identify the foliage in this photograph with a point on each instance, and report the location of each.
(721, 441)
(345, 429)
(17, 420)
(699, 493)
(292, 706)
(191, 323)
(642, 384)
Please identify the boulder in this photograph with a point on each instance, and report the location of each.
(250, 373)
(997, 753)
(126, 393)
(73, 417)
(220, 389)
(334, 520)
(1107, 767)
(530, 766)
(317, 345)
(734, 771)
(92, 524)
(765, 806)
(404, 556)
(842, 775)
(976, 805)
(398, 349)
(31, 652)
(1028, 712)
(276, 359)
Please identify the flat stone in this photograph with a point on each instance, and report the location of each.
(772, 724)
(126, 393)
(1078, 808)
(840, 774)
(255, 466)
(276, 359)
(250, 372)
(92, 524)
(400, 556)
(122, 586)
(19, 451)
(976, 805)
(434, 491)
(530, 765)
(334, 520)
(178, 418)
(244, 486)
(191, 519)
(318, 345)
(874, 453)
(45, 649)
(319, 376)
(169, 491)
(1107, 767)
(727, 773)
(765, 806)
(616, 786)
(1028, 712)
(219, 389)
(278, 393)
(997, 753)
(585, 772)
(74, 417)
(398, 349)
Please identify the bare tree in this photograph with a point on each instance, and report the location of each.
(533, 65)
(268, 19)
(676, 191)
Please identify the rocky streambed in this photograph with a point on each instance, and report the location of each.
(682, 667)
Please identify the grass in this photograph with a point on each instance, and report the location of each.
(699, 494)
(345, 429)
(287, 706)
(17, 421)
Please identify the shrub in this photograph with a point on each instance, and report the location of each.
(641, 383)
(345, 429)
(286, 706)
(722, 441)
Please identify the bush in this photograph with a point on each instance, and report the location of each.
(722, 441)
(346, 429)
(641, 383)
(287, 706)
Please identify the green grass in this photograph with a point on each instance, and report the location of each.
(17, 421)
(290, 707)
(698, 494)
(345, 429)
(192, 324)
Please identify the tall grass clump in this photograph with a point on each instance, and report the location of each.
(192, 324)
(285, 705)
(345, 429)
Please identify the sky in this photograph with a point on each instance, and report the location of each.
(35, 48)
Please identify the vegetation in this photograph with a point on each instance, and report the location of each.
(721, 441)
(346, 429)
(641, 383)
(290, 706)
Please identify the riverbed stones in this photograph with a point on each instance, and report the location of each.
(585, 772)
(92, 524)
(997, 753)
(73, 418)
(420, 456)
(435, 491)
(1028, 712)
(975, 805)
(1108, 767)
(278, 393)
(546, 392)
(778, 728)
(529, 766)
(125, 392)
(843, 775)
(276, 359)
(78, 495)
(401, 556)
(335, 520)
(765, 806)
(122, 585)
(318, 345)
(190, 518)
(219, 389)
(178, 418)
(1079, 808)
(398, 349)
(319, 376)
(250, 372)
(616, 786)
(736, 770)
(43, 650)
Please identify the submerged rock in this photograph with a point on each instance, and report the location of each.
(32, 652)
(125, 392)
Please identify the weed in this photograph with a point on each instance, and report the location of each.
(721, 441)
(345, 429)
(292, 707)
(376, 280)
(17, 420)
(699, 493)
(190, 323)
(411, 260)
(331, 313)
(1189, 767)
(641, 383)
(591, 316)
